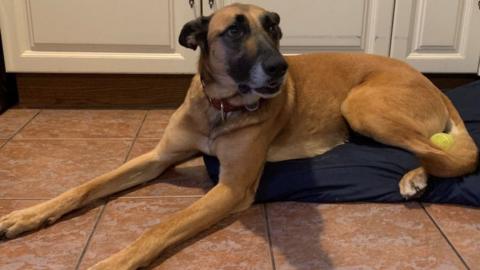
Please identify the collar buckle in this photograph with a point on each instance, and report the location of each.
(253, 107)
(222, 111)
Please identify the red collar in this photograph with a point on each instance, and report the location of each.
(220, 104)
(224, 107)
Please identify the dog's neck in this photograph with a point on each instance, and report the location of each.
(229, 99)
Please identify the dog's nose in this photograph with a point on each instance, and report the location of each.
(275, 67)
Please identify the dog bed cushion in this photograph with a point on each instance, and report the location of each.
(367, 171)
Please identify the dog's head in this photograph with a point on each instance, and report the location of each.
(239, 49)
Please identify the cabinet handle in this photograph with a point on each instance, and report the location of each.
(191, 3)
(212, 2)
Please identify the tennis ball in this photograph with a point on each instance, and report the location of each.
(443, 140)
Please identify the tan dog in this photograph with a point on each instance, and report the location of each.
(244, 108)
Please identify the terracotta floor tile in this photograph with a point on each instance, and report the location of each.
(84, 124)
(12, 120)
(357, 236)
(236, 243)
(155, 123)
(45, 168)
(55, 247)
(189, 178)
(461, 225)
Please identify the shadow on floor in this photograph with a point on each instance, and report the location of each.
(278, 230)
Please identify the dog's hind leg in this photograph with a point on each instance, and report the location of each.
(407, 118)
(174, 147)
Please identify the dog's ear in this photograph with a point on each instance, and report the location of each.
(272, 19)
(276, 20)
(194, 33)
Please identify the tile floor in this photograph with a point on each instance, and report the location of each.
(44, 152)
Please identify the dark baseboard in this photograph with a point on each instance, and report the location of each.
(101, 90)
(132, 91)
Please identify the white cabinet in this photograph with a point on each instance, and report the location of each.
(125, 36)
(438, 35)
(108, 36)
(332, 25)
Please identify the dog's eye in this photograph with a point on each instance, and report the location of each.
(234, 32)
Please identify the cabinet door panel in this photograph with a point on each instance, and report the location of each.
(437, 35)
(112, 36)
(332, 25)
(68, 23)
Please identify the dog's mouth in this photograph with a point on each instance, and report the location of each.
(268, 91)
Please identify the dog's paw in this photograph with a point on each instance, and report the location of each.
(413, 183)
(21, 221)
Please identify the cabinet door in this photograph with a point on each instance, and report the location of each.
(331, 25)
(112, 36)
(438, 35)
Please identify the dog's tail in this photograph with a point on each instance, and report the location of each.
(460, 159)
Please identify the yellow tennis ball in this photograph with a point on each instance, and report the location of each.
(443, 140)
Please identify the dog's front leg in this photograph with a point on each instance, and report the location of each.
(176, 145)
(241, 166)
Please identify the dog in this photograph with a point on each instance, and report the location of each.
(249, 104)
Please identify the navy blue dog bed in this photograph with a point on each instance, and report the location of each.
(364, 170)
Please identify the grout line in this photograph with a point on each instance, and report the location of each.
(445, 237)
(97, 221)
(20, 129)
(269, 237)
(27, 199)
(90, 236)
(135, 137)
(111, 196)
(76, 139)
(158, 197)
